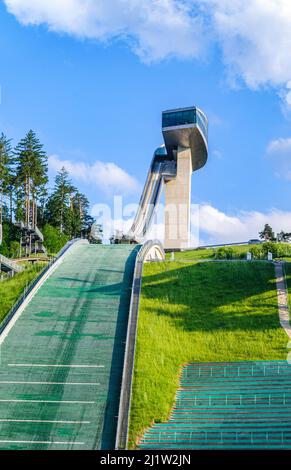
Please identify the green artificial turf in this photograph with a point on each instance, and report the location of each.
(199, 312)
(12, 288)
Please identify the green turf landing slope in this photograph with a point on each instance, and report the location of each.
(244, 405)
(61, 364)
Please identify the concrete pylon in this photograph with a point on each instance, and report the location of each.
(177, 203)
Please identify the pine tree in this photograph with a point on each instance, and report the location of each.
(81, 221)
(31, 170)
(6, 161)
(267, 233)
(58, 210)
(96, 233)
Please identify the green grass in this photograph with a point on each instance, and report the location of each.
(12, 288)
(288, 279)
(199, 312)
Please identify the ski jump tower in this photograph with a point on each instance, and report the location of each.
(185, 133)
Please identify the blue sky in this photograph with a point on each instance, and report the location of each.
(93, 84)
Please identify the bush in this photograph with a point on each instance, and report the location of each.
(53, 239)
(14, 249)
(257, 252)
(270, 247)
(224, 253)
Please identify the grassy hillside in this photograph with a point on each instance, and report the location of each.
(199, 312)
(11, 289)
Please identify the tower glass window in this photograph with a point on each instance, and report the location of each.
(179, 118)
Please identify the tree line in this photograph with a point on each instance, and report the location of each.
(62, 213)
(268, 234)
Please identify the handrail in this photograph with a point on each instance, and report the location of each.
(128, 365)
(38, 233)
(10, 263)
(28, 289)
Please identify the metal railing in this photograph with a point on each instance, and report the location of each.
(10, 264)
(128, 365)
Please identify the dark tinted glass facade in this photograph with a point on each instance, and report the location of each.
(179, 118)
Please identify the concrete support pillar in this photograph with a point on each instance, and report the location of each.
(177, 200)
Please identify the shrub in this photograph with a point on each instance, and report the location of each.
(224, 253)
(256, 251)
(53, 239)
(270, 247)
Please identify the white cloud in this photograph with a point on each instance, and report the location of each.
(209, 226)
(217, 154)
(280, 152)
(217, 227)
(254, 35)
(280, 145)
(154, 29)
(107, 177)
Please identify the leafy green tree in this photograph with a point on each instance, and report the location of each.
(6, 170)
(54, 240)
(267, 233)
(31, 176)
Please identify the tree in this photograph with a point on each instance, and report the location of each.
(96, 233)
(283, 236)
(59, 203)
(6, 170)
(81, 221)
(267, 233)
(54, 240)
(31, 176)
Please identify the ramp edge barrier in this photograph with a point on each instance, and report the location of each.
(29, 293)
(152, 250)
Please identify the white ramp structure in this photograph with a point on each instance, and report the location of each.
(185, 133)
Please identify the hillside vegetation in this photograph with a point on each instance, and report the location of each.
(259, 251)
(199, 312)
(11, 289)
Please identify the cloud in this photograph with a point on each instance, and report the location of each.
(107, 177)
(254, 36)
(280, 145)
(217, 227)
(217, 154)
(209, 225)
(280, 152)
(154, 29)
